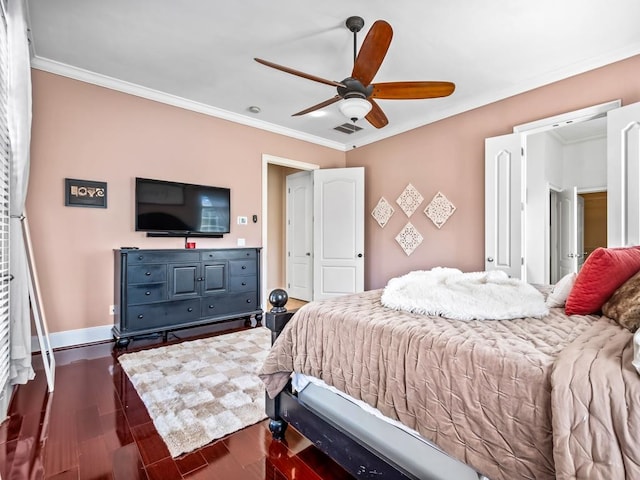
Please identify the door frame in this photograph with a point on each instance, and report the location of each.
(283, 162)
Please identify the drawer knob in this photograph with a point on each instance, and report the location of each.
(148, 274)
(140, 257)
(211, 306)
(141, 316)
(244, 267)
(147, 293)
(248, 300)
(189, 309)
(244, 284)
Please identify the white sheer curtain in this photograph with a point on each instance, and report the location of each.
(20, 135)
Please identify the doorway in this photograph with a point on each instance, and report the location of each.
(274, 173)
(338, 227)
(591, 231)
(561, 153)
(595, 221)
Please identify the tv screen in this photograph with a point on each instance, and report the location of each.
(181, 209)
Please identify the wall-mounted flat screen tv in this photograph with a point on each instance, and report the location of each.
(181, 209)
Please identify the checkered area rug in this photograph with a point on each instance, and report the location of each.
(201, 390)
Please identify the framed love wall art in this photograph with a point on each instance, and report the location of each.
(85, 193)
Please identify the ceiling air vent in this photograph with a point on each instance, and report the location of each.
(348, 128)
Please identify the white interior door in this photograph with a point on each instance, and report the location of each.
(623, 176)
(338, 259)
(503, 205)
(568, 231)
(299, 237)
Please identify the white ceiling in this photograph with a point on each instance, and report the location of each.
(199, 54)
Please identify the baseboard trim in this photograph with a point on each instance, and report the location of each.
(71, 338)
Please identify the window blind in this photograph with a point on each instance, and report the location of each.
(4, 205)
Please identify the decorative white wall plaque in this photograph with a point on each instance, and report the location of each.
(383, 212)
(409, 200)
(409, 238)
(439, 209)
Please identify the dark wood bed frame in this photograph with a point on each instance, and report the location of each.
(353, 454)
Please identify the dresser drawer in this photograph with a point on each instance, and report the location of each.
(242, 284)
(242, 267)
(144, 256)
(234, 254)
(146, 273)
(146, 293)
(144, 317)
(231, 303)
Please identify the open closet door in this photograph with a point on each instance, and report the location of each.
(503, 205)
(568, 222)
(338, 262)
(299, 238)
(623, 176)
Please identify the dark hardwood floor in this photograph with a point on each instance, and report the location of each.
(94, 426)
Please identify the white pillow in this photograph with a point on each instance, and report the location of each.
(560, 292)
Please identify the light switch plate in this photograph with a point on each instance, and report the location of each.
(242, 220)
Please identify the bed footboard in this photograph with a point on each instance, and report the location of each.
(275, 320)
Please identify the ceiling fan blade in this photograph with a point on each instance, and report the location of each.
(372, 52)
(376, 116)
(412, 90)
(318, 106)
(298, 73)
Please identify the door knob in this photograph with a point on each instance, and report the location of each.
(489, 259)
(359, 255)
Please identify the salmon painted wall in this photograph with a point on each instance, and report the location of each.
(448, 156)
(87, 132)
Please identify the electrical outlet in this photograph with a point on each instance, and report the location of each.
(242, 220)
(112, 309)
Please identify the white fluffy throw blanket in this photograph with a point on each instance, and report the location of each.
(464, 296)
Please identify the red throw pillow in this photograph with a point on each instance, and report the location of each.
(601, 275)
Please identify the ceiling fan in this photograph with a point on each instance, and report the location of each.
(357, 92)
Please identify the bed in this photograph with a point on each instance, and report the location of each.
(532, 398)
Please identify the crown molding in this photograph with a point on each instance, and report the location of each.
(560, 74)
(111, 83)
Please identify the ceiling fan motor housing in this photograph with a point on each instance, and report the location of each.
(353, 86)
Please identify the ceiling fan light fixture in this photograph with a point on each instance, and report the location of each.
(355, 108)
